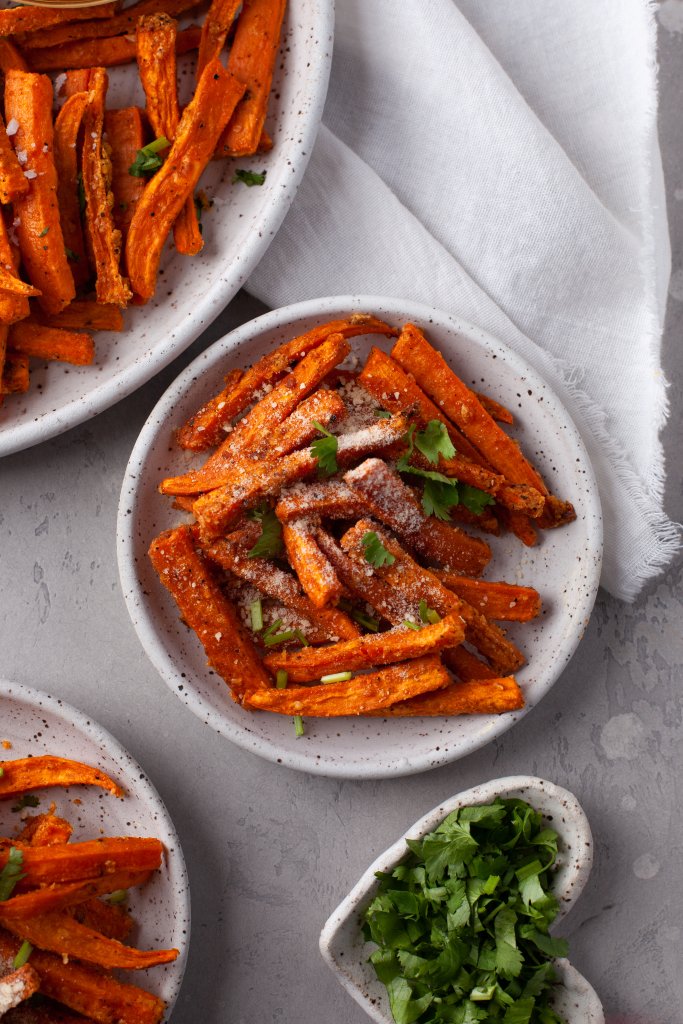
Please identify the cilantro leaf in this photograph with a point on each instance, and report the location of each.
(11, 874)
(147, 160)
(474, 499)
(434, 441)
(325, 451)
(404, 1008)
(375, 552)
(439, 497)
(26, 800)
(269, 544)
(248, 178)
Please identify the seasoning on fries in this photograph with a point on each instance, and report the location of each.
(324, 571)
(63, 918)
(92, 193)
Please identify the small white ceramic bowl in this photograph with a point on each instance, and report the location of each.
(36, 724)
(564, 566)
(346, 952)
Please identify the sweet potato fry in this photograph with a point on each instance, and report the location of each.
(192, 584)
(330, 499)
(466, 665)
(51, 343)
(393, 503)
(503, 601)
(12, 180)
(13, 305)
(414, 353)
(71, 862)
(11, 59)
(155, 40)
(46, 829)
(165, 195)
(111, 920)
(67, 127)
(28, 100)
(15, 370)
(28, 773)
(317, 577)
(252, 61)
(98, 996)
(58, 897)
(106, 53)
(58, 932)
(495, 409)
(218, 22)
(122, 23)
(324, 407)
(10, 283)
(231, 553)
(311, 663)
(556, 513)
(82, 315)
(476, 697)
(103, 237)
(125, 133)
(29, 19)
(356, 696)
(520, 525)
(207, 427)
(17, 986)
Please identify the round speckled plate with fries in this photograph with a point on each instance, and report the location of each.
(237, 229)
(564, 567)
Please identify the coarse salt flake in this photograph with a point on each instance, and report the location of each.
(218, 636)
(12, 126)
(22, 156)
(30, 174)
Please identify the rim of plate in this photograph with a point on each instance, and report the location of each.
(79, 409)
(140, 611)
(137, 780)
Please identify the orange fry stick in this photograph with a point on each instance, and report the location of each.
(126, 135)
(192, 583)
(71, 862)
(393, 503)
(495, 409)
(44, 830)
(203, 118)
(252, 61)
(105, 240)
(17, 986)
(503, 601)
(311, 663)
(414, 353)
(231, 553)
(11, 58)
(58, 932)
(109, 919)
(316, 575)
(13, 306)
(324, 407)
(82, 314)
(12, 180)
(10, 283)
(28, 100)
(98, 996)
(155, 40)
(475, 697)
(15, 370)
(58, 897)
(556, 513)
(122, 23)
(218, 22)
(51, 343)
(520, 525)
(29, 19)
(67, 127)
(206, 428)
(466, 665)
(327, 499)
(356, 696)
(27, 773)
(106, 53)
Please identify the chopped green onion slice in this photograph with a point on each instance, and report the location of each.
(382, 414)
(336, 677)
(280, 638)
(281, 679)
(272, 628)
(22, 956)
(298, 726)
(428, 615)
(411, 625)
(11, 873)
(256, 612)
(301, 638)
(118, 896)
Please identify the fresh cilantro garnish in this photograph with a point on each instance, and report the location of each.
(440, 493)
(434, 441)
(11, 874)
(324, 449)
(27, 800)
(458, 938)
(148, 160)
(439, 497)
(375, 552)
(249, 178)
(269, 544)
(474, 499)
(44, 232)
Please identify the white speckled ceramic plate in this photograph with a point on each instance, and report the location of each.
(35, 723)
(346, 952)
(564, 567)
(192, 291)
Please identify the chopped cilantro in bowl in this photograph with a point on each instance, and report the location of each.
(462, 923)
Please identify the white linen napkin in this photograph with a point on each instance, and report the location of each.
(499, 160)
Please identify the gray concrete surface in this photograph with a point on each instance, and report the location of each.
(270, 851)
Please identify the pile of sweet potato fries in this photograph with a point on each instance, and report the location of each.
(90, 198)
(58, 936)
(324, 572)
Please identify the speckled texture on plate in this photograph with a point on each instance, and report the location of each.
(345, 951)
(565, 566)
(36, 724)
(191, 292)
